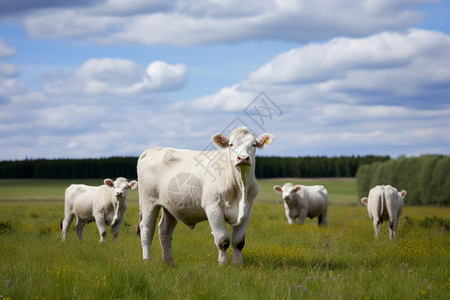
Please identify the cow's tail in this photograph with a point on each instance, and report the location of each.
(138, 227)
(383, 203)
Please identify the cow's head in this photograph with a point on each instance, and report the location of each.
(242, 144)
(287, 191)
(120, 186)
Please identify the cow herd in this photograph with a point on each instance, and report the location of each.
(215, 186)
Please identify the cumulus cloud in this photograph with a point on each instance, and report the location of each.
(120, 77)
(389, 68)
(203, 21)
(227, 99)
(379, 88)
(380, 92)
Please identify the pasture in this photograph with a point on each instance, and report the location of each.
(341, 261)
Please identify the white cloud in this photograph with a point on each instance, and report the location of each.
(387, 92)
(71, 23)
(380, 94)
(227, 99)
(120, 77)
(410, 68)
(6, 50)
(202, 21)
(163, 76)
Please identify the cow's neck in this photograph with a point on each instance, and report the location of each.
(244, 179)
(118, 207)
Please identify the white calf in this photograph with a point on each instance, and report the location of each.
(105, 204)
(302, 201)
(385, 203)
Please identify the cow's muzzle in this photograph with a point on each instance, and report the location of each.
(243, 160)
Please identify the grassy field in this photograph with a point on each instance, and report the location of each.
(341, 261)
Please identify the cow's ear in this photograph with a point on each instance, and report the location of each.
(109, 182)
(403, 193)
(277, 188)
(297, 188)
(264, 140)
(364, 200)
(133, 184)
(220, 140)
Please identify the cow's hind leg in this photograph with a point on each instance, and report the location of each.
(79, 226)
(65, 225)
(166, 227)
(393, 223)
(323, 218)
(147, 228)
(376, 226)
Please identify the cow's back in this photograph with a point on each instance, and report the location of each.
(174, 178)
(394, 203)
(317, 198)
(80, 198)
(165, 170)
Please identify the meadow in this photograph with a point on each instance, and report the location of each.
(340, 261)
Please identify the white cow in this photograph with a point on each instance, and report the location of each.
(385, 203)
(303, 201)
(194, 186)
(105, 204)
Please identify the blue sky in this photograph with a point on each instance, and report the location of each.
(86, 79)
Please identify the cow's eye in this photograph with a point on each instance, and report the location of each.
(254, 145)
(231, 145)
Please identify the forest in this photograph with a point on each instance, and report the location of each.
(266, 167)
(425, 178)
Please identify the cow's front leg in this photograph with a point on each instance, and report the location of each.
(101, 225)
(302, 217)
(166, 226)
(290, 219)
(115, 229)
(220, 232)
(238, 240)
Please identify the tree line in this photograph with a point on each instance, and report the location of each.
(266, 167)
(425, 178)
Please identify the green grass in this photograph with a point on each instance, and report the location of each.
(341, 261)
